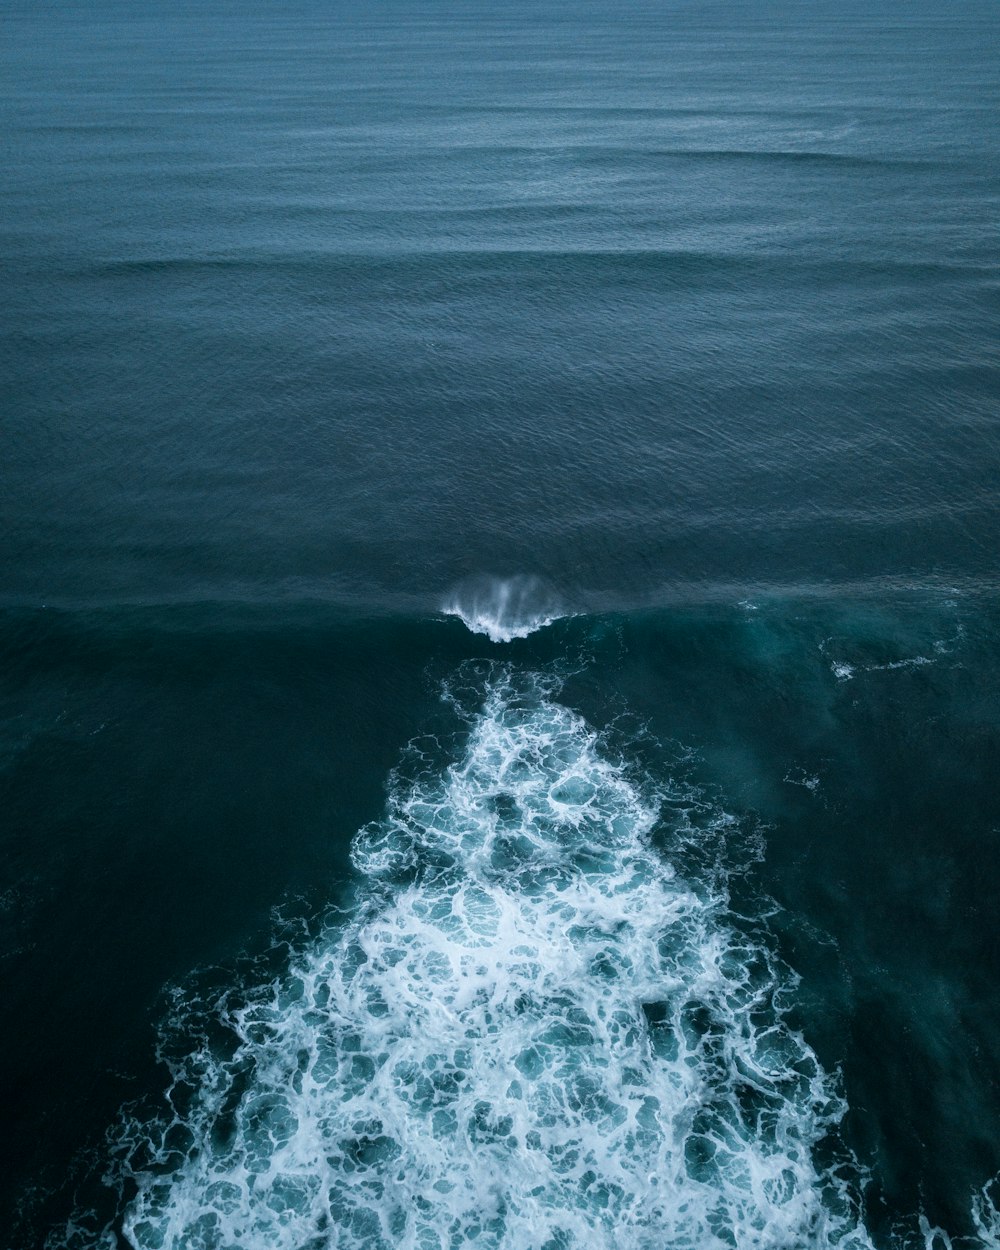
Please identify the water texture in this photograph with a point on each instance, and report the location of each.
(603, 401)
(532, 1033)
(356, 303)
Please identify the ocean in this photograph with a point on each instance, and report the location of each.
(500, 625)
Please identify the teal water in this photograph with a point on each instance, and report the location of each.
(498, 719)
(832, 828)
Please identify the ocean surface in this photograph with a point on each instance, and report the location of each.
(500, 625)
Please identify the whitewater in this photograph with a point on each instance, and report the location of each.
(530, 1031)
(505, 608)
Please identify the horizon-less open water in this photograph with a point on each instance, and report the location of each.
(498, 717)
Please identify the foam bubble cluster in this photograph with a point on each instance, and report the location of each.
(531, 1035)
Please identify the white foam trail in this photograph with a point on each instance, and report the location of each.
(986, 1214)
(504, 608)
(533, 1035)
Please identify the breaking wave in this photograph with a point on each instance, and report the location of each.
(532, 1032)
(504, 608)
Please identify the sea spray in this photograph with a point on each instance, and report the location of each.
(530, 1033)
(504, 608)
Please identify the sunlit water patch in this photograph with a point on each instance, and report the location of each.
(531, 1033)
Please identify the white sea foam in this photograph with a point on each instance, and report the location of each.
(845, 669)
(533, 1035)
(986, 1214)
(504, 608)
(802, 778)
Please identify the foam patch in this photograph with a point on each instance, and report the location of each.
(532, 1034)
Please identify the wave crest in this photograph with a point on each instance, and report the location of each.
(504, 608)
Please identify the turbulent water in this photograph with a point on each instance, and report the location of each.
(504, 608)
(533, 1032)
(539, 1018)
(499, 625)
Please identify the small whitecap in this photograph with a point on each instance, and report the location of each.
(504, 608)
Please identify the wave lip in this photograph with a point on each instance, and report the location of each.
(504, 608)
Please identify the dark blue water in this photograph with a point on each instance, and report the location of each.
(561, 443)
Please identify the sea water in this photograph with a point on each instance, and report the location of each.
(531, 1032)
(498, 723)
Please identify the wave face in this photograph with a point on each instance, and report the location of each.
(504, 608)
(530, 1033)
